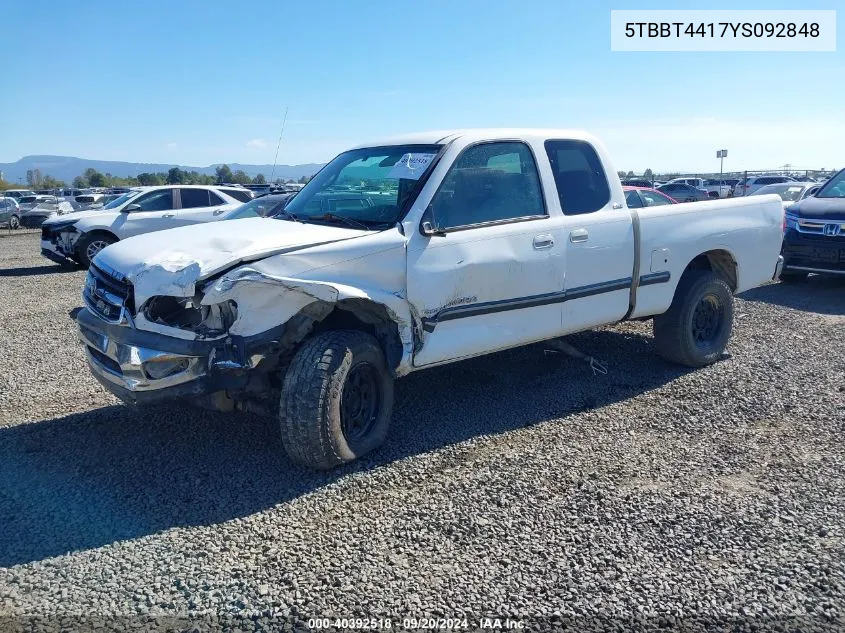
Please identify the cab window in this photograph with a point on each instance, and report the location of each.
(489, 182)
(579, 176)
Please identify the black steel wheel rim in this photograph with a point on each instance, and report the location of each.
(707, 319)
(360, 402)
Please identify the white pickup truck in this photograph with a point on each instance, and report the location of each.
(406, 254)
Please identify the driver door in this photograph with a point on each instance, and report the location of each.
(491, 276)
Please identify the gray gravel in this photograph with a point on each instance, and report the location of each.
(516, 485)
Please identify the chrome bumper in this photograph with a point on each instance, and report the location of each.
(135, 368)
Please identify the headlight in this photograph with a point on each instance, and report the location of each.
(188, 314)
(790, 221)
(57, 227)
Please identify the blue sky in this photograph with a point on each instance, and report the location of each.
(196, 83)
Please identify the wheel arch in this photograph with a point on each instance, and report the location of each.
(719, 261)
(291, 310)
(367, 316)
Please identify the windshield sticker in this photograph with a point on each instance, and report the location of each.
(411, 166)
(794, 189)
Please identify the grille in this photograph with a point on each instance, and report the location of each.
(106, 295)
(817, 227)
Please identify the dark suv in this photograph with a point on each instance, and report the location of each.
(814, 233)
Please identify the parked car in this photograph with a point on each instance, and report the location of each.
(814, 232)
(18, 193)
(637, 182)
(89, 200)
(747, 186)
(27, 202)
(698, 183)
(718, 188)
(36, 216)
(238, 191)
(79, 237)
(682, 192)
(789, 192)
(481, 240)
(267, 206)
(10, 213)
(638, 197)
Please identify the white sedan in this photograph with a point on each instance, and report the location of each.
(789, 192)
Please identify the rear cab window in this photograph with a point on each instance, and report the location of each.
(581, 183)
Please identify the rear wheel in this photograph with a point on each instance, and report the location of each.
(337, 399)
(14, 223)
(89, 245)
(694, 331)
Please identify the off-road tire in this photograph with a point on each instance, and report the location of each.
(85, 241)
(793, 276)
(675, 330)
(313, 388)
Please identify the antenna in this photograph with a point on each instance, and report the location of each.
(284, 119)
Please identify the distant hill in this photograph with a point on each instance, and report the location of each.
(68, 167)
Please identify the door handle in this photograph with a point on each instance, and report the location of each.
(168, 215)
(579, 235)
(543, 241)
(218, 212)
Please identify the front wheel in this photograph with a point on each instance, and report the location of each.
(337, 399)
(694, 331)
(14, 223)
(89, 245)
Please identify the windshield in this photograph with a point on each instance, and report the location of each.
(369, 187)
(835, 187)
(786, 191)
(119, 201)
(258, 208)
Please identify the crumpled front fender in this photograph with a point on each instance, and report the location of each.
(266, 301)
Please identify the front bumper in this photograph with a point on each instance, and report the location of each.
(813, 253)
(51, 251)
(142, 367)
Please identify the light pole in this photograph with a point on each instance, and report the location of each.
(721, 154)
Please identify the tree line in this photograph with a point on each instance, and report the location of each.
(174, 176)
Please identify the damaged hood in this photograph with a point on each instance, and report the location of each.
(171, 262)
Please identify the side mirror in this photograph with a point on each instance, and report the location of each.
(428, 226)
(129, 208)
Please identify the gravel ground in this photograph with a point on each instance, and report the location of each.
(518, 485)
